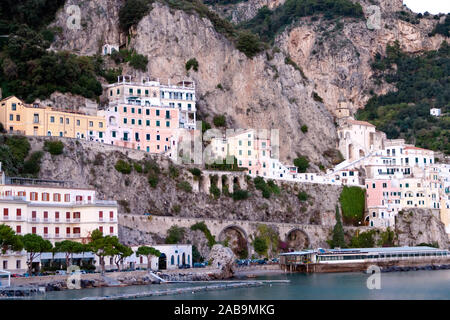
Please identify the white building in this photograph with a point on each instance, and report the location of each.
(435, 112)
(53, 211)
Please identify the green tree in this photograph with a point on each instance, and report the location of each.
(69, 248)
(301, 163)
(220, 121)
(35, 245)
(132, 12)
(121, 252)
(338, 240)
(9, 240)
(249, 44)
(102, 246)
(363, 240)
(149, 252)
(192, 63)
(260, 245)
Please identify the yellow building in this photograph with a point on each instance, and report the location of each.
(18, 117)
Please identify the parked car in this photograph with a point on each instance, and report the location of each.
(261, 261)
(199, 265)
(61, 272)
(184, 266)
(147, 214)
(16, 275)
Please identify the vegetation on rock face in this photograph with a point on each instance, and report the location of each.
(387, 238)
(202, 227)
(240, 194)
(266, 188)
(175, 234)
(184, 185)
(302, 196)
(269, 23)
(192, 63)
(301, 163)
(54, 147)
(363, 240)
(270, 237)
(123, 167)
(132, 12)
(15, 157)
(352, 200)
(220, 121)
(260, 245)
(422, 82)
(442, 28)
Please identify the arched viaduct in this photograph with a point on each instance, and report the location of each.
(313, 236)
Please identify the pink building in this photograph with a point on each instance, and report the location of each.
(382, 202)
(147, 128)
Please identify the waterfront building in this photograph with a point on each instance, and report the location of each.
(35, 120)
(172, 257)
(54, 211)
(359, 259)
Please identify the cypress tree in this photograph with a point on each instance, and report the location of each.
(338, 232)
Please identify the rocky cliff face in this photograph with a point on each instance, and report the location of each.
(337, 57)
(263, 92)
(89, 164)
(244, 10)
(416, 226)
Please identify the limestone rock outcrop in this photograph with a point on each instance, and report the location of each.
(416, 226)
(223, 259)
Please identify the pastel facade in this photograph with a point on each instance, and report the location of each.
(382, 202)
(18, 117)
(53, 212)
(358, 139)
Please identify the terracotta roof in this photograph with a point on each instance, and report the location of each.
(361, 123)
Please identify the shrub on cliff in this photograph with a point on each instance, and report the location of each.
(123, 167)
(301, 163)
(220, 121)
(248, 43)
(184, 185)
(175, 234)
(240, 194)
(203, 228)
(54, 147)
(192, 63)
(338, 239)
(260, 245)
(33, 164)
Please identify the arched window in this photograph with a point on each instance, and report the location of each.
(172, 260)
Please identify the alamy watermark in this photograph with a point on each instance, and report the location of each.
(73, 22)
(190, 147)
(374, 19)
(374, 280)
(74, 278)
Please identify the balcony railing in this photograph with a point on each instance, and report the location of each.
(46, 236)
(45, 220)
(5, 218)
(57, 235)
(76, 220)
(34, 219)
(76, 235)
(100, 219)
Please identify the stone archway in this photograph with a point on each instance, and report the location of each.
(237, 240)
(297, 240)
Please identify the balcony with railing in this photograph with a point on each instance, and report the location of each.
(34, 219)
(76, 235)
